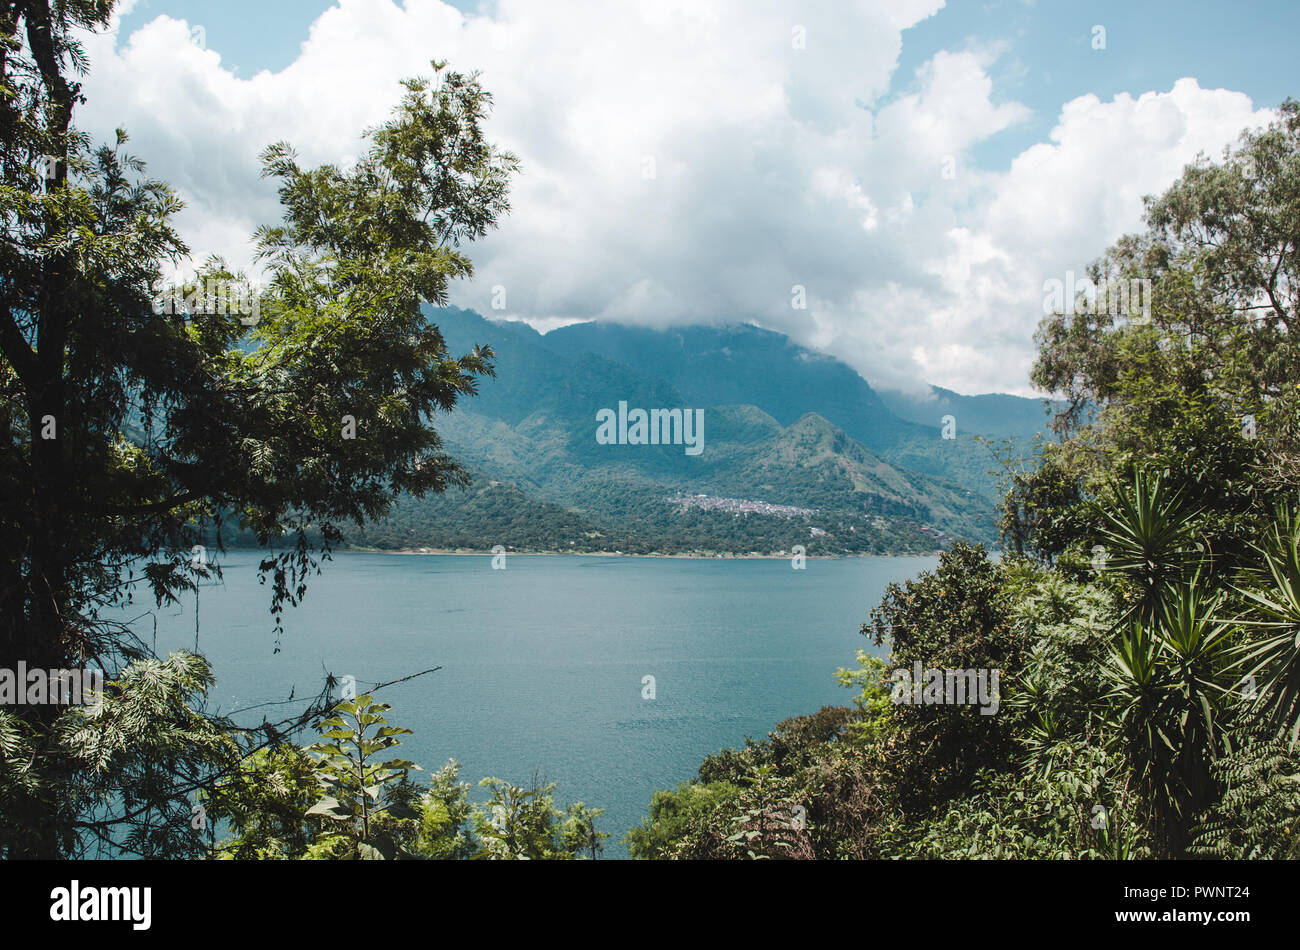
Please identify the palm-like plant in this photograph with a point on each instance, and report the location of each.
(1204, 652)
(1176, 661)
(1171, 697)
(1139, 706)
(1273, 596)
(1046, 731)
(1149, 535)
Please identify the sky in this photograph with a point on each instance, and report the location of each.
(912, 172)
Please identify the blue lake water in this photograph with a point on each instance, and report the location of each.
(543, 662)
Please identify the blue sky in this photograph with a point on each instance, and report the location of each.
(774, 165)
(1248, 46)
(250, 35)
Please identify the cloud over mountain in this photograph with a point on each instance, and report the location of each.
(693, 162)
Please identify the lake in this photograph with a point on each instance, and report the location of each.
(543, 661)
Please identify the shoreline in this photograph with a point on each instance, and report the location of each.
(415, 552)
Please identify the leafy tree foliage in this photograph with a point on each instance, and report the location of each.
(357, 787)
(333, 801)
(1259, 813)
(523, 824)
(117, 775)
(134, 432)
(1145, 618)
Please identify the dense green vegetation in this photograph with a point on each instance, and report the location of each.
(1143, 625)
(134, 432)
(491, 513)
(332, 800)
(1145, 621)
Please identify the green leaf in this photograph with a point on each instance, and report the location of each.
(331, 808)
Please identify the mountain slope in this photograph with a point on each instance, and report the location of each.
(797, 449)
(996, 415)
(749, 365)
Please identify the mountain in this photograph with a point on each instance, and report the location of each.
(746, 364)
(797, 449)
(995, 415)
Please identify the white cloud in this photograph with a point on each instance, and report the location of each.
(773, 166)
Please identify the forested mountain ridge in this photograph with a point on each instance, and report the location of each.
(782, 426)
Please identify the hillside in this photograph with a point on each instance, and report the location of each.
(782, 427)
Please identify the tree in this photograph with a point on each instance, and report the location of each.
(1146, 624)
(358, 793)
(956, 617)
(266, 803)
(333, 800)
(1183, 424)
(135, 430)
(519, 823)
(138, 755)
(1203, 382)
